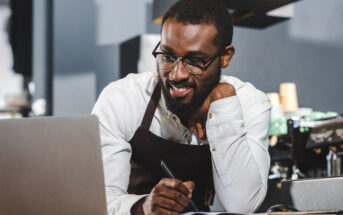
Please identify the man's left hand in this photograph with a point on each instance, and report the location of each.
(198, 119)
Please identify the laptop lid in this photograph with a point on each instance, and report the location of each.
(51, 165)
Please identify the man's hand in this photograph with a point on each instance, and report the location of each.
(198, 119)
(169, 196)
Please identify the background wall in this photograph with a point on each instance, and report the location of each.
(307, 50)
(86, 40)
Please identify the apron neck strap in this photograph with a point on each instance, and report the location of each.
(153, 103)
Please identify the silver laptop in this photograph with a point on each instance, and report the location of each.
(51, 165)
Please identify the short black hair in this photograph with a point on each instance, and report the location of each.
(204, 11)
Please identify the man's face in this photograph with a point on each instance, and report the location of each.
(185, 92)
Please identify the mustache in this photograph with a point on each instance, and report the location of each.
(184, 83)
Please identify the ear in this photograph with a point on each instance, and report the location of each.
(227, 56)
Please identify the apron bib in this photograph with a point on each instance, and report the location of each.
(187, 162)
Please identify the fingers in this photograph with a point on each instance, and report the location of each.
(176, 193)
(199, 130)
(156, 209)
(171, 194)
(190, 185)
(201, 127)
(175, 184)
(161, 210)
(169, 204)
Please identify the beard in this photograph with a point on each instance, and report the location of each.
(200, 94)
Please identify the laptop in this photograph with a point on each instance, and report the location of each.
(51, 165)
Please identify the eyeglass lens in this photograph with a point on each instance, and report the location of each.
(168, 62)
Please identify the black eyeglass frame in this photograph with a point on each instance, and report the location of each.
(207, 63)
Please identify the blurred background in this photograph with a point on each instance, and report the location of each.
(57, 55)
(64, 52)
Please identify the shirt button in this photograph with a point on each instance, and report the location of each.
(210, 116)
(213, 148)
(174, 118)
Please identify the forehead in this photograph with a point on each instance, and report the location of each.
(183, 38)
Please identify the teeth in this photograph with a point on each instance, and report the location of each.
(179, 89)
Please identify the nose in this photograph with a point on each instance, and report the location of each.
(179, 72)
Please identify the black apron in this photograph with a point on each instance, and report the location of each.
(187, 162)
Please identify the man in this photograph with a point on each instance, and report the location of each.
(211, 130)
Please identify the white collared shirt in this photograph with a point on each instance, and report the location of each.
(236, 132)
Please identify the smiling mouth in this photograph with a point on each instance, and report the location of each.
(180, 89)
(180, 92)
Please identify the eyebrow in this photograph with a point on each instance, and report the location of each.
(189, 54)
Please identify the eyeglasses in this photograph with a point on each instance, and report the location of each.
(195, 66)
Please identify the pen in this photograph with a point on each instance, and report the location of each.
(171, 175)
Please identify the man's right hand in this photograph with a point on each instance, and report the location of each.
(169, 196)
